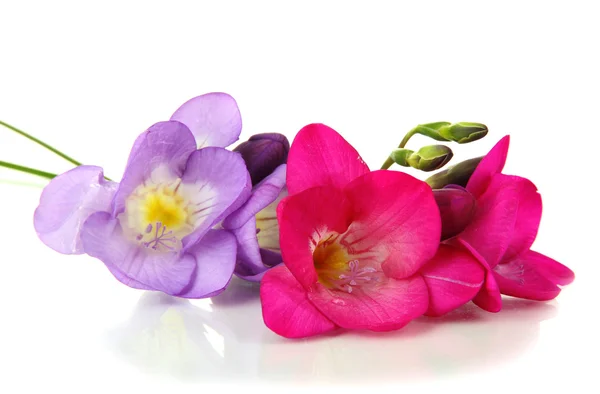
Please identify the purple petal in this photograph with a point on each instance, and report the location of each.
(65, 204)
(215, 261)
(167, 145)
(218, 180)
(262, 195)
(213, 118)
(103, 239)
(457, 207)
(263, 153)
(250, 264)
(270, 258)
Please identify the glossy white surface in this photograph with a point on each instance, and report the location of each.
(88, 79)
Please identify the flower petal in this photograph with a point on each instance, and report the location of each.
(262, 195)
(304, 219)
(320, 156)
(491, 229)
(215, 261)
(249, 264)
(103, 238)
(492, 164)
(453, 278)
(285, 308)
(519, 278)
(213, 118)
(529, 215)
(395, 217)
(457, 207)
(389, 305)
(219, 182)
(489, 297)
(551, 269)
(263, 153)
(65, 204)
(167, 144)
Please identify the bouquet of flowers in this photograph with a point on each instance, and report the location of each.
(332, 243)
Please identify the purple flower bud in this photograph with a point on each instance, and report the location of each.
(263, 153)
(457, 207)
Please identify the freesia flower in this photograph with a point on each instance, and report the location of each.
(352, 242)
(501, 232)
(255, 224)
(154, 229)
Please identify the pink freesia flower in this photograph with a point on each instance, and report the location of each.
(354, 243)
(503, 228)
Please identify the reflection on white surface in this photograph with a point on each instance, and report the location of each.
(226, 338)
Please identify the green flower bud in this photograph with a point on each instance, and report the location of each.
(431, 130)
(463, 132)
(458, 174)
(430, 158)
(400, 156)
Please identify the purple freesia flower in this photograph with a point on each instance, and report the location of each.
(255, 224)
(154, 229)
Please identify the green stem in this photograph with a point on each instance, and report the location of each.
(32, 138)
(388, 162)
(28, 170)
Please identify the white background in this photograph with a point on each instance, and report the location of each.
(88, 77)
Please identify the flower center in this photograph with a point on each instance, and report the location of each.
(163, 205)
(336, 269)
(267, 226)
(162, 211)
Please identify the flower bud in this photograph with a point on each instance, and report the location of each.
(400, 156)
(457, 207)
(463, 132)
(430, 158)
(458, 174)
(263, 153)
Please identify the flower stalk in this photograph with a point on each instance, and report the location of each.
(39, 142)
(27, 170)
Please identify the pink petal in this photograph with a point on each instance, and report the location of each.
(285, 308)
(453, 278)
(529, 214)
(304, 219)
(519, 278)
(551, 269)
(394, 217)
(320, 156)
(489, 297)
(386, 306)
(492, 164)
(491, 229)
